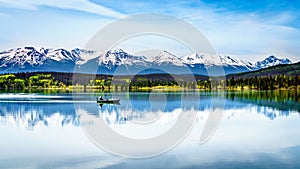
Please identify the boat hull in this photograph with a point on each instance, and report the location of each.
(109, 101)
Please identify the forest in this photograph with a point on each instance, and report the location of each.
(146, 82)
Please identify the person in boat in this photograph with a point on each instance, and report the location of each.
(100, 98)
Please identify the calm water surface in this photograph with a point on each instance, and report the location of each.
(258, 129)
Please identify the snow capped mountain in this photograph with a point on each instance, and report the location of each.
(272, 61)
(20, 56)
(28, 59)
(165, 57)
(118, 57)
(36, 56)
(40, 59)
(227, 60)
(212, 60)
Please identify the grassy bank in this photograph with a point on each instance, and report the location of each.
(85, 82)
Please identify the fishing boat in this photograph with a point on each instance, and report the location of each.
(108, 101)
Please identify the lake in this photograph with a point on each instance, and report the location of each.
(247, 129)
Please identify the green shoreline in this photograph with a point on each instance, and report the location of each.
(155, 82)
(143, 89)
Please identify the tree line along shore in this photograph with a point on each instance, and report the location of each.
(70, 81)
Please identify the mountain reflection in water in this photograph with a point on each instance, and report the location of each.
(55, 110)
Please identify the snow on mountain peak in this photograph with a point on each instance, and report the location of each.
(34, 59)
(194, 59)
(215, 59)
(119, 57)
(227, 60)
(36, 56)
(21, 56)
(166, 57)
(272, 61)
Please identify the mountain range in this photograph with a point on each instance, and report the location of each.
(32, 59)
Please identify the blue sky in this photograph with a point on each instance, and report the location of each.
(248, 30)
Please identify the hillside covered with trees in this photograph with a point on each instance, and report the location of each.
(287, 70)
(277, 77)
(44, 80)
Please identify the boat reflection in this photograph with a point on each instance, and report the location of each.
(138, 107)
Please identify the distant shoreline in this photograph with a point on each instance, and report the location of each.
(152, 89)
(151, 82)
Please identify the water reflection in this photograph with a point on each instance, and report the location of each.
(281, 100)
(31, 115)
(260, 130)
(29, 111)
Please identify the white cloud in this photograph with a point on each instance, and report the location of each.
(19, 4)
(246, 35)
(80, 5)
(249, 36)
